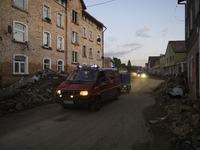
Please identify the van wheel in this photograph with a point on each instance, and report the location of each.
(96, 105)
(128, 90)
(116, 97)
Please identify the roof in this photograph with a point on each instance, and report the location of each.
(93, 18)
(152, 60)
(83, 4)
(178, 46)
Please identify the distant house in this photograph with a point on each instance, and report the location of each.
(192, 40)
(160, 64)
(175, 57)
(151, 63)
(108, 62)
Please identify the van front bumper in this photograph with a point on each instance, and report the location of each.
(74, 102)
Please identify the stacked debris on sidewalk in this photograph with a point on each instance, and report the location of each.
(182, 121)
(30, 92)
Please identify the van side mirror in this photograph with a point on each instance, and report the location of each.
(102, 79)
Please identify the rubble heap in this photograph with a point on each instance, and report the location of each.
(29, 93)
(182, 121)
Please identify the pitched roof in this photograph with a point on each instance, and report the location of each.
(83, 4)
(85, 12)
(178, 46)
(152, 60)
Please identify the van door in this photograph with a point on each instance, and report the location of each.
(102, 85)
(111, 83)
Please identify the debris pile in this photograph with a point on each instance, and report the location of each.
(29, 93)
(182, 121)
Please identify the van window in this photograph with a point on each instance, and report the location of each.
(102, 76)
(110, 75)
(83, 75)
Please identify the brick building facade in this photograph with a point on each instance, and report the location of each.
(41, 34)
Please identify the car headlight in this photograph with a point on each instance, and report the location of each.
(84, 93)
(143, 75)
(58, 92)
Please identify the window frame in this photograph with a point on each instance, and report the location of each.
(90, 35)
(74, 16)
(75, 58)
(48, 39)
(98, 37)
(84, 51)
(90, 52)
(60, 43)
(48, 13)
(74, 37)
(84, 32)
(25, 65)
(62, 66)
(25, 32)
(43, 64)
(60, 23)
(98, 55)
(25, 5)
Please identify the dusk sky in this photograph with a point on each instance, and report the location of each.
(137, 29)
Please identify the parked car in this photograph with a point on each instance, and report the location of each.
(89, 85)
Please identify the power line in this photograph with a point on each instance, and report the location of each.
(100, 3)
(59, 11)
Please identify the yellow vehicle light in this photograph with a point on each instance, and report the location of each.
(58, 92)
(84, 93)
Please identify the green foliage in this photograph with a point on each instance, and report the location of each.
(117, 62)
(129, 66)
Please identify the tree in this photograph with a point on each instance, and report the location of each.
(129, 66)
(117, 62)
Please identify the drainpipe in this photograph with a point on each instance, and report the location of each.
(199, 61)
(103, 46)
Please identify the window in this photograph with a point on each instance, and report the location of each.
(46, 39)
(46, 63)
(20, 64)
(59, 21)
(60, 43)
(75, 57)
(90, 35)
(46, 12)
(21, 4)
(74, 16)
(84, 18)
(21, 32)
(98, 55)
(60, 66)
(84, 51)
(74, 37)
(84, 32)
(98, 39)
(90, 52)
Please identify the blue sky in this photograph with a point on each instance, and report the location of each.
(137, 29)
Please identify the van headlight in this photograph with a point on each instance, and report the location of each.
(58, 92)
(84, 93)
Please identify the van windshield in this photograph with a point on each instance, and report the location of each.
(83, 76)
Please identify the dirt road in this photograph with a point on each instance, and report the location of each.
(118, 125)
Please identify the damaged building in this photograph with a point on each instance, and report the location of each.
(47, 34)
